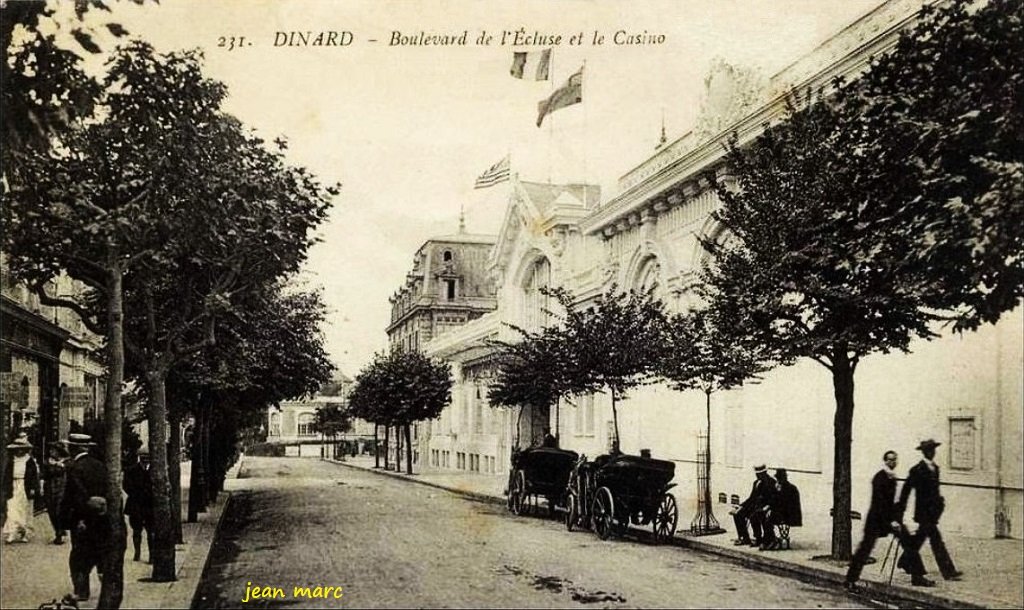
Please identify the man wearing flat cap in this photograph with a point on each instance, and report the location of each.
(84, 512)
(928, 507)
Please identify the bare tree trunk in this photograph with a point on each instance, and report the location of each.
(387, 447)
(162, 552)
(174, 471)
(615, 422)
(206, 450)
(112, 589)
(376, 448)
(842, 382)
(408, 449)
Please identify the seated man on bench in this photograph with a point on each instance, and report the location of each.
(784, 510)
(754, 509)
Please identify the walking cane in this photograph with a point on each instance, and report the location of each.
(892, 569)
(888, 552)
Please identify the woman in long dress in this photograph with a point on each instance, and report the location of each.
(23, 480)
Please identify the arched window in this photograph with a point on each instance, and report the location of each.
(649, 278)
(306, 424)
(275, 424)
(447, 256)
(535, 302)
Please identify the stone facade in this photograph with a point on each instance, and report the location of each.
(965, 391)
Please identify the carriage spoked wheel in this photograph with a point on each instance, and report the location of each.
(572, 512)
(665, 518)
(517, 495)
(604, 513)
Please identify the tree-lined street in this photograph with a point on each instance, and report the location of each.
(390, 543)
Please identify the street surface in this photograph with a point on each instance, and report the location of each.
(389, 543)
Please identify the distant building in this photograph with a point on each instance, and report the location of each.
(291, 423)
(447, 287)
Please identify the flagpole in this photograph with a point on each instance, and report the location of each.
(551, 134)
(583, 98)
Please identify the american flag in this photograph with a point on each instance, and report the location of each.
(497, 173)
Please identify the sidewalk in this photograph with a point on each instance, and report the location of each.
(37, 572)
(993, 569)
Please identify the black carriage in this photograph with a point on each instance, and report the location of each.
(613, 491)
(539, 472)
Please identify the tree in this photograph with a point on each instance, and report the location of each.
(330, 420)
(613, 345)
(92, 205)
(400, 388)
(530, 372)
(158, 178)
(45, 88)
(368, 401)
(699, 355)
(937, 127)
(270, 350)
(872, 216)
(420, 389)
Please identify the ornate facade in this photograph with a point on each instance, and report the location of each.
(964, 391)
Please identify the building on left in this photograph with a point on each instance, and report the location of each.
(51, 373)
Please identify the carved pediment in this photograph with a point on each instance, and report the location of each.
(730, 94)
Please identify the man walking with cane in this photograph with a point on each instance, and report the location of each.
(884, 519)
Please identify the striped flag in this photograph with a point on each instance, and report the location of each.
(531, 65)
(568, 94)
(496, 174)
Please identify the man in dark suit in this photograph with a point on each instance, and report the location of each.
(138, 484)
(884, 519)
(928, 507)
(754, 510)
(84, 512)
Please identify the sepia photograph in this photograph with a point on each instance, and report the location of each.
(535, 304)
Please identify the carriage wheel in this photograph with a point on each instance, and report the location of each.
(665, 518)
(517, 495)
(603, 513)
(572, 512)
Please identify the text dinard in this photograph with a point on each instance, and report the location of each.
(521, 37)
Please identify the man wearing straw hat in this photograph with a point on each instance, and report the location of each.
(84, 512)
(753, 510)
(928, 507)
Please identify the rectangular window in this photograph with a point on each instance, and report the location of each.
(962, 438)
(449, 289)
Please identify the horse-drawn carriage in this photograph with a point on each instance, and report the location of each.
(615, 490)
(539, 472)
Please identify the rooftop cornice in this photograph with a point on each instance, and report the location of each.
(678, 171)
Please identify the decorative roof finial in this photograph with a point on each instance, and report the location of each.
(663, 139)
(462, 219)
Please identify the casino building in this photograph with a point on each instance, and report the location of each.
(962, 390)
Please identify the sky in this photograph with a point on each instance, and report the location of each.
(406, 129)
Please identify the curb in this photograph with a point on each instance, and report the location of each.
(183, 591)
(868, 590)
(874, 591)
(479, 497)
